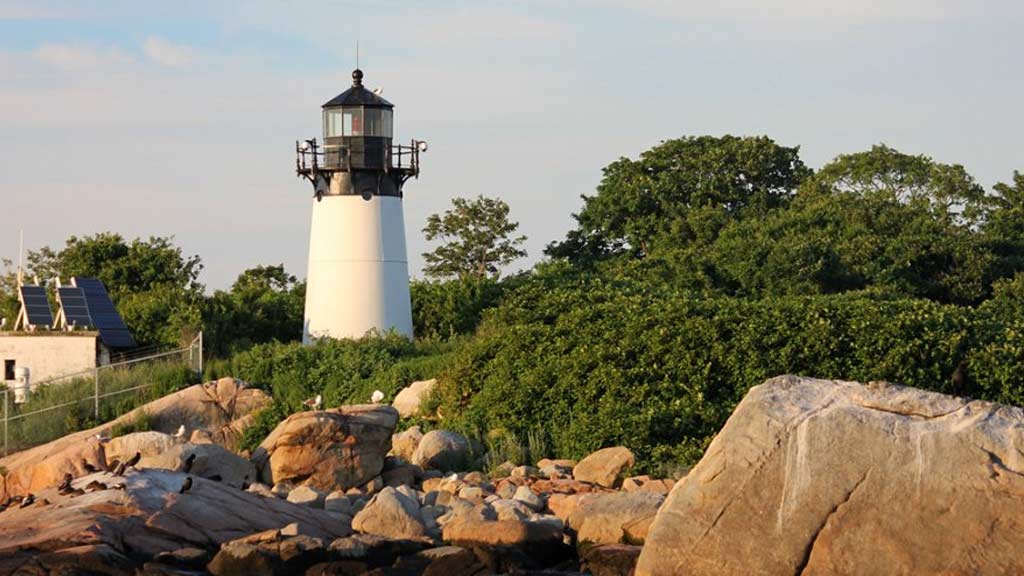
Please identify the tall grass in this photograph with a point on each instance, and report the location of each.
(60, 408)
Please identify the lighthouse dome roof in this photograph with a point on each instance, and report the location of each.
(358, 95)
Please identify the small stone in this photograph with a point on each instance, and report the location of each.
(281, 489)
(307, 496)
(526, 496)
(474, 494)
(524, 472)
(511, 510)
(337, 501)
(604, 466)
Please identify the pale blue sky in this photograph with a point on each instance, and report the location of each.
(179, 118)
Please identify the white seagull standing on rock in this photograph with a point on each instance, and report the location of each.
(101, 438)
(313, 403)
(180, 433)
(377, 397)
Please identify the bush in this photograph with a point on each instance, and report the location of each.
(342, 371)
(445, 309)
(596, 362)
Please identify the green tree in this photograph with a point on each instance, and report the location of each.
(879, 219)
(9, 305)
(265, 304)
(476, 239)
(1004, 225)
(682, 191)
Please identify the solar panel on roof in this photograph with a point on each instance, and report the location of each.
(104, 315)
(37, 307)
(72, 301)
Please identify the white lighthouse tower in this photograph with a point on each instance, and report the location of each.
(358, 277)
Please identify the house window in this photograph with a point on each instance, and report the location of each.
(8, 369)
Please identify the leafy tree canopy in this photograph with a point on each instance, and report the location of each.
(681, 191)
(477, 239)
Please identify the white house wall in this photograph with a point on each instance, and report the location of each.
(48, 356)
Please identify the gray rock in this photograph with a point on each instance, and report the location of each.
(392, 514)
(307, 497)
(824, 477)
(337, 501)
(529, 498)
(442, 450)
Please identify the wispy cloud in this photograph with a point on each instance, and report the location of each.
(823, 10)
(167, 53)
(79, 57)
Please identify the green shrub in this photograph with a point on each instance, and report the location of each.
(594, 362)
(342, 371)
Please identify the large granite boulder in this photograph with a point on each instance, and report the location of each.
(614, 518)
(222, 408)
(134, 519)
(160, 450)
(149, 444)
(442, 450)
(410, 398)
(823, 477)
(604, 466)
(328, 450)
(392, 514)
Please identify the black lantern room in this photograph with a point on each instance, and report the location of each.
(357, 155)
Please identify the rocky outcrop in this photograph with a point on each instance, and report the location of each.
(824, 477)
(142, 515)
(442, 450)
(614, 518)
(404, 444)
(221, 408)
(604, 466)
(329, 450)
(392, 514)
(410, 399)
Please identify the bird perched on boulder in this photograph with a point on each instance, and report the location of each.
(65, 486)
(95, 486)
(129, 463)
(102, 438)
(88, 467)
(188, 463)
(313, 403)
(186, 486)
(180, 433)
(27, 501)
(376, 397)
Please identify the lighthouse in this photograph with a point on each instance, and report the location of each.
(358, 276)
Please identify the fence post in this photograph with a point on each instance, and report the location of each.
(5, 421)
(200, 353)
(96, 393)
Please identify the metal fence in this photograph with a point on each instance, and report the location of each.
(80, 400)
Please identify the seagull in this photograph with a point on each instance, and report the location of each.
(180, 433)
(186, 486)
(3, 322)
(313, 403)
(188, 462)
(27, 500)
(101, 438)
(89, 467)
(377, 397)
(378, 90)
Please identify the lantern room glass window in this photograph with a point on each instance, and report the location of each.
(357, 122)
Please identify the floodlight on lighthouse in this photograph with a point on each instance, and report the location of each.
(358, 276)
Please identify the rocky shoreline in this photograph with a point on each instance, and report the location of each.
(808, 476)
